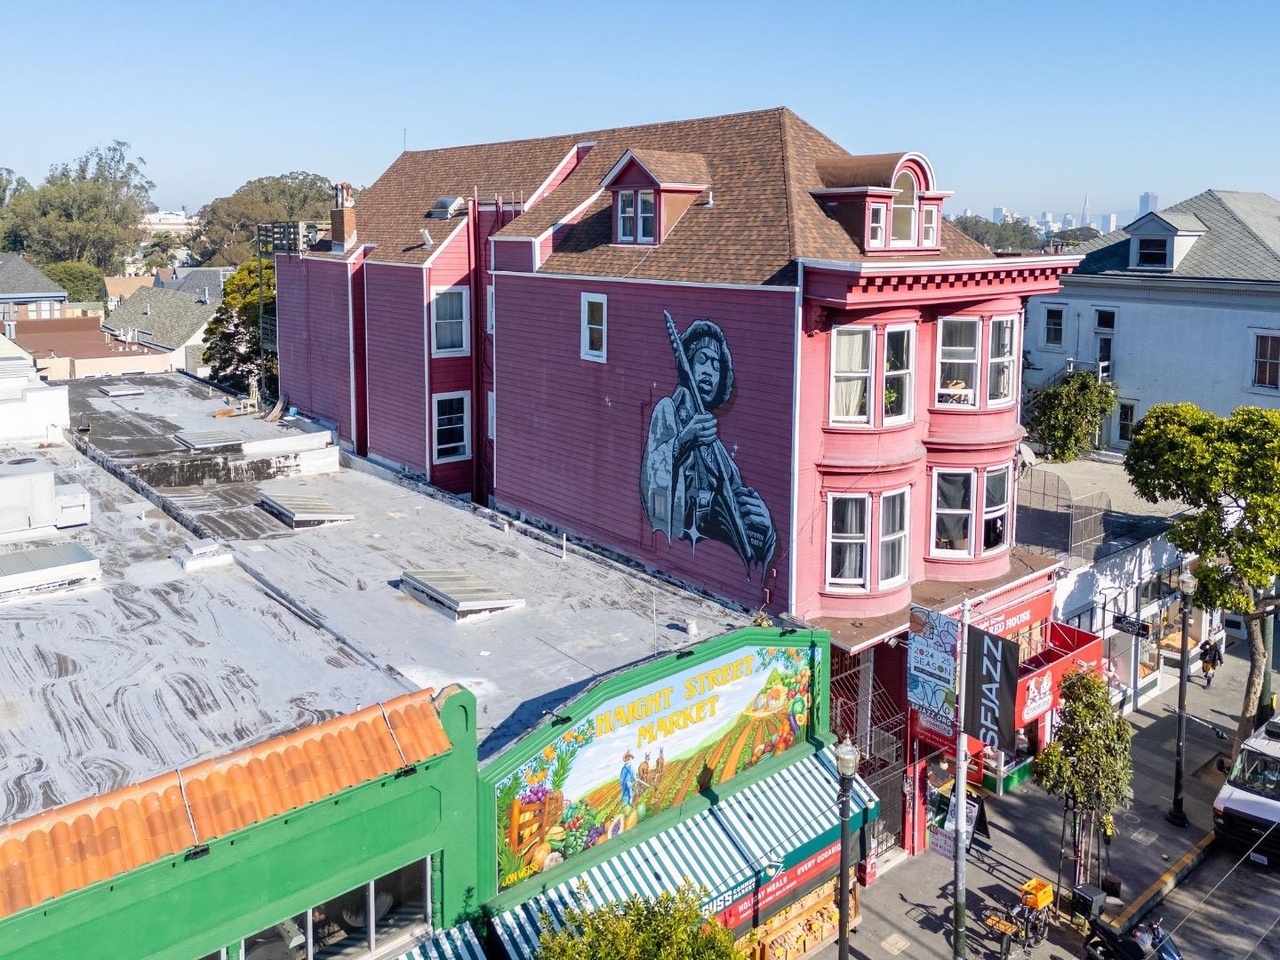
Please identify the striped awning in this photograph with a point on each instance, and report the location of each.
(729, 845)
(458, 943)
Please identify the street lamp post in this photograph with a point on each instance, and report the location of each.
(848, 756)
(1187, 588)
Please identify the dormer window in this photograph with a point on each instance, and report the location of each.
(875, 224)
(626, 216)
(929, 227)
(648, 217)
(1153, 252)
(652, 190)
(904, 210)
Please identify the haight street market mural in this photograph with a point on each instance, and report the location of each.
(689, 483)
(648, 750)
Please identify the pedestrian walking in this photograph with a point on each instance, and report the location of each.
(1210, 660)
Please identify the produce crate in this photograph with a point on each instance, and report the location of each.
(1037, 893)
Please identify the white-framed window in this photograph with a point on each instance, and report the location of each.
(851, 374)
(648, 220)
(995, 510)
(595, 319)
(450, 322)
(1127, 420)
(958, 360)
(450, 426)
(1053, 326)
(847, 541)
(493, 416)
(1266, 361)
(899, 382)
(876, 214)
(626, 216)
(1000, 362)
(929, 227)
(952, 512)
(894, 545)
(490, 323)
(1152, 252)
(903, 227)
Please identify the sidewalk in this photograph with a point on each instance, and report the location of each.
(907, 912)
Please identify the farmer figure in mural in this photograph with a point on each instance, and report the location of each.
(627, 780)
(690, 485)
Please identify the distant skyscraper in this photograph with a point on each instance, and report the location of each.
(1068, 221)
(1084, 214)
(1148, 202)
(998, 214)
(1107, 222)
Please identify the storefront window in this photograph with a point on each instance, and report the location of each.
(339, 928)
(1164, 584)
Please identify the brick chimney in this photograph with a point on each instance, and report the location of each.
(342, 218)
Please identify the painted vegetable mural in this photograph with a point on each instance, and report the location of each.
(649, 749)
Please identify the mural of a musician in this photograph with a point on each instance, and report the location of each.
(689, 483)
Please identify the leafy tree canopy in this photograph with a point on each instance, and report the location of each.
(228, 232)
(232, 339)
(672, 927)
(1000, 236)
(1074, 235)
(88, 210)
(1227, 470)
(1066, 417)
(1089, 761)
(82, 281)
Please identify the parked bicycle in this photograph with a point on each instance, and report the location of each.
(1025, 922)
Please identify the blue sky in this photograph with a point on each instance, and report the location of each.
(1026, 105)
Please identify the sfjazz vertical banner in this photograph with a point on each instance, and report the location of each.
(991, 690)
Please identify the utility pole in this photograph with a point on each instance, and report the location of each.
(960, 789)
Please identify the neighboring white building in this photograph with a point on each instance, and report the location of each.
(30, 409)
(1183, 304)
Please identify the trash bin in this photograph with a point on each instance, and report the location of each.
(1111, 885)
(1087, 901)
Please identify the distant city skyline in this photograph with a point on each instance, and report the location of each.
(340, 94)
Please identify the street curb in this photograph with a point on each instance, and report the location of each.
(1163, 886)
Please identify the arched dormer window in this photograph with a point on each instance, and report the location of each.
(904, 210)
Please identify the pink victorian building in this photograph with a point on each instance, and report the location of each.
(725, 348)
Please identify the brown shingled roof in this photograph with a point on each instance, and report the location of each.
(762, 167)
(875, 170)
(71, 847)
(670, 167)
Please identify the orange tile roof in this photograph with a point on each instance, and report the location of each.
(70, 847)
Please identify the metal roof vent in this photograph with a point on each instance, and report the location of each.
(446, 207)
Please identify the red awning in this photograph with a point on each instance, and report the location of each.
(1068, 648)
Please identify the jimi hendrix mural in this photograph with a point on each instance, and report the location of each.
(690, 486)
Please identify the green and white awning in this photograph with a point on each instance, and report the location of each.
(728, 846)
(458, 943)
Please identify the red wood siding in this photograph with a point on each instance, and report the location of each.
(396, 327)
(452, 267)
(516, 254)
(572, 432)
(314, 338)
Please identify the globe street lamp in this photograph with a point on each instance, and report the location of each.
(848, 756)
(1187, 587)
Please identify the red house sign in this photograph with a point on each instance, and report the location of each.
(1068, 648)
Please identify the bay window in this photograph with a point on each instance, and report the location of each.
(893, 538)
(995, 511)
(898, 361)
(850, 374)
(958, 360)
(847, 541)
(1000, 365)
(952, 511)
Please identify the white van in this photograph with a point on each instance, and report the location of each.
(1246, 812)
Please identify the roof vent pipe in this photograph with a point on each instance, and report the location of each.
(711, 199)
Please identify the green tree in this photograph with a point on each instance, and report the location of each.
(232, 339)
(159, 250)
(671, 927)
(228, 231)
(1089, 764)
(88, 210)
(1227, 470)
(1073, 236)
(1065, 418)
(1016, 235)
(82, 281)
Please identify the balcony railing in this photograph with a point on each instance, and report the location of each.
(1102, 368)
(269, 333)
